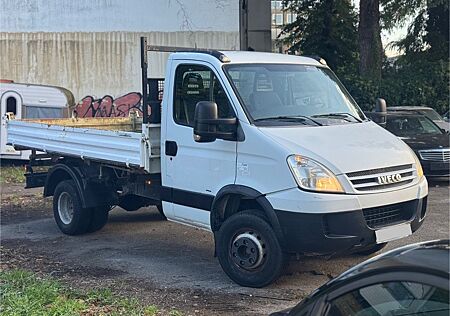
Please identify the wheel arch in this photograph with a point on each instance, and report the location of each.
(61, 172)
(228, 200)
(58, 173)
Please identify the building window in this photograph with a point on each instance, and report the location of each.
(277, 18)
(277, 5)
(291, 17)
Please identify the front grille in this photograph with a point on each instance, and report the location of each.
(441, 155)
(376, 171)
(390, 214)
(382, 178)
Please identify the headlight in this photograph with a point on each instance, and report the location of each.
(418, 165)
(311, 175)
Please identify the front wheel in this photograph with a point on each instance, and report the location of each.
(249, 251)
(70, 216)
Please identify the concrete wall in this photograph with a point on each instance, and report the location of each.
(91, 47)
(118, 15)
(93, 63)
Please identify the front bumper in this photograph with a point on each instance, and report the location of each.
(327, 224)
(344, 232)
(435, 168)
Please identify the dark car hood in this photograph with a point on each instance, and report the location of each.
(420, 142)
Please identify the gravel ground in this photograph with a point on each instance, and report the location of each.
(138, 254)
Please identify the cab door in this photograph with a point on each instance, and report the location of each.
(195, 172)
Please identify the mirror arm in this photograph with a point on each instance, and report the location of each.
(220, 135)
(222, 121)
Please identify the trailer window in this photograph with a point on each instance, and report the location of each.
(34, 112)
(195, 83)
(11, 105)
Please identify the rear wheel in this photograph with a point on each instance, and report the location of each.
(70, 216)
(371, 249)
(249, 251)
(99, 218)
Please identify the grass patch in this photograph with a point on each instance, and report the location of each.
(12, 174)
(24, 293)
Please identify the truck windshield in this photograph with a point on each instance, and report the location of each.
(283, 92)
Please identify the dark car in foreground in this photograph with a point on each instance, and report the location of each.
(411, 280)
(429, 142)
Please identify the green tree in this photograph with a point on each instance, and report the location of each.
(369, 33)
(421, 75)
(324, 28)
(428, 34)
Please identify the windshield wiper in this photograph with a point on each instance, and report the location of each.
(301, 118)
(341, 115)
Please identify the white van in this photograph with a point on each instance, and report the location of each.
(29, 101)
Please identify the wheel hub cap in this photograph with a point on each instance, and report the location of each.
(65, 208)
(247, 250)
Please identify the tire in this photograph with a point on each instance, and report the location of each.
(371, 249)
(249, 251)
(99, 218)
(70, 216)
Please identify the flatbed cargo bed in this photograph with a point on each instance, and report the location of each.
(114, 140)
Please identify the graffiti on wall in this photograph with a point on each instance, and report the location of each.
(108, 106)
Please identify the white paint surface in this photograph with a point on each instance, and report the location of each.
(118, 15)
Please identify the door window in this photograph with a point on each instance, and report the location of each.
(392, 298)
(195, 83)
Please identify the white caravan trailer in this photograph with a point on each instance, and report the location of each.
(28, 101)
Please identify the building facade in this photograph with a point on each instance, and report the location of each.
(280, 17)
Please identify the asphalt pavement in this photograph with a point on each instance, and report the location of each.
(166, 256)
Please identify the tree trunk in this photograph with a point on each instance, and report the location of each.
(369, 32)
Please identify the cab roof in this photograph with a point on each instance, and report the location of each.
(249, 57)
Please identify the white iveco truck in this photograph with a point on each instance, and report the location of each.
(267, 151)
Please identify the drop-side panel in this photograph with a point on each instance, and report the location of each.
(115, 146)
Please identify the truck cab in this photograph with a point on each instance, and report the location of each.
(302, 154)
(269, 152)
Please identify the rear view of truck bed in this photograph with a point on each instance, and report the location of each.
(114, 140)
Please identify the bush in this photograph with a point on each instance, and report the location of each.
(422, 82)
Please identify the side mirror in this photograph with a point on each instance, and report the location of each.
(381, 110)
(206, 121)
(380, 106)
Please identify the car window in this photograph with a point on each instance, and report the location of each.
(392, 299)
(195, 83)
(432, 114)
(407, 126)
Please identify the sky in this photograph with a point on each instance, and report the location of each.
(393, 36)
(388, 37)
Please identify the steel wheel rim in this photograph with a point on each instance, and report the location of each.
(65, 208)
(247, 250)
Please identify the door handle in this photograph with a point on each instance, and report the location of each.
(171, 148)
